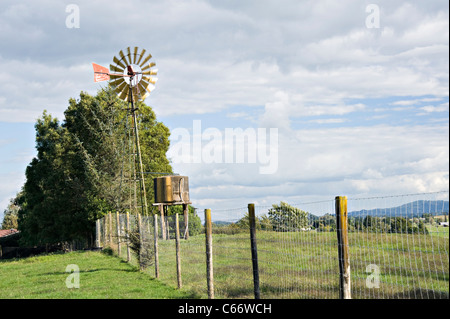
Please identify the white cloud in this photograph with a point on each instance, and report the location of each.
(349, 161)
(432, 108)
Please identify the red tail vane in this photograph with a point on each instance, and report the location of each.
(100, 73)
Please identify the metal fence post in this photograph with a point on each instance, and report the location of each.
(110, 229)
(177, 244)
(209, 255)
(186, 221)
(141, 246)
(342, 236)
(252, 224)
(118, 232)
(156, 246)
(97, 233)
(128, 237)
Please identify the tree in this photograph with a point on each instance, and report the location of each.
(284, 217)
(405, 226)
(10, 214)
(78, 173)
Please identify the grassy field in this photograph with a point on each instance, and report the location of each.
(291, 265)
(305, 265)
(101, 277)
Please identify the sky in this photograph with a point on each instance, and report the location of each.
(334, 97)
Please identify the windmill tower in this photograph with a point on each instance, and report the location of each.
(131, 76)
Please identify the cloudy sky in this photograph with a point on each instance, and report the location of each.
(358, 91)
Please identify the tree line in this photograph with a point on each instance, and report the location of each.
(284, 217)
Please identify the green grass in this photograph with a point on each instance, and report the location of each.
(101, 276)
(438, 231)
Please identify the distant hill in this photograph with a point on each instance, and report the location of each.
(409, 210)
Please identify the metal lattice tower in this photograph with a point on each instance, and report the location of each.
(133, 81)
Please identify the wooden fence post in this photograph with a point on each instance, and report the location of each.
(118, 232)
(344, 259)
(177, 244)
(252, 223)
(209, 255)
(156, 247)
(128, 237)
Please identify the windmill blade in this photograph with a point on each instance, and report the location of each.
(122, 56)
(124, 94)
(115, 69)
(116, 76)
(118, 62)
(149, 87)
(140, 57)
(129, 55)
(148, 66)
(149, 56)
(150, 79)
(122, 87)
(143, 88)
(151, 72)
(117, 82)
(135, 54)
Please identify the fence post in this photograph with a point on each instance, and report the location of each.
(156, 247)
(186, 221)
(141, 246)
(104, 233)
(110, 229)
(97, 233)
(252, 223)
(118, 232)
(128, 237)
(342, 236)
(163, 222)
(177, 244)
(209, 255)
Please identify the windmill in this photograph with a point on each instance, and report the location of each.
(131, 76)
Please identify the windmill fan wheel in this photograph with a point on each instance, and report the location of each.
(134, 78)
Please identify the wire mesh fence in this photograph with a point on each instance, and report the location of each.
(397, 247)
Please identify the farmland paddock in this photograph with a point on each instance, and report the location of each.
(389, 247)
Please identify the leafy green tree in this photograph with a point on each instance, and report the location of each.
(285, 217)
(10, 214)
(78, 173)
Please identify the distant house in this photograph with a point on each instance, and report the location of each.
(7, 232)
